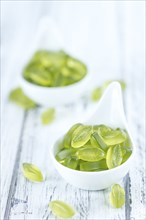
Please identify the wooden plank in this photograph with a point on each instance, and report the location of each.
(30, 142)
(136, 114)
(36, 149)
(30, 201)
(100, 208)
(12, 126)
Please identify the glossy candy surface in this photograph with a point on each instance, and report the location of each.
(94, 148)
(114, 156)
(91, 154)
(81, 136)
(54, 69)
(32, 172)
(61, 209)
(114, 137)
(93, 166)
(68, 137)
(117, 196)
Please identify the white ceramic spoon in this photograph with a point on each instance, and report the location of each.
(110, 112)
(48, 37)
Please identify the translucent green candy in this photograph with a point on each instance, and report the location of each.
(95, 128)
(96, 94)
(40, 77)
(127, 142)
(127, 151)
(102, 129)
(88, 144)
(63, 154)
(117, 196)
(93, 166)
(54, 69)
(32, 172)
(61, 209)
(114, 156)
(90, 154)
(113, 137)
(93, 140)
(71, 162)
(98, 141)
(68, 137)
(81, 136)
(48, 116)
(94, 148)
(21, 99)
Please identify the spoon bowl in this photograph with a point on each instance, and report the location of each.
(48, 37)
(109, 111)
(55, 96)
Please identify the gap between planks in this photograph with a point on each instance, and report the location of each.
(15, 171)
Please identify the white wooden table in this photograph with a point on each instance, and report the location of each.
(24, 139)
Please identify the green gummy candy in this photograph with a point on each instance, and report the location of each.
(64, 153)
(93, 166)
(113, 137)
(117, 196)
(96, 93)
(61, 209)
(90, 154)
(32, 172)
(127, 151)
(68, 137)
(48, 116)
(81, 136)
(71, 162)
(17, 96)
(54, 69)
(114, 156)
(99, 140)
(94, 148)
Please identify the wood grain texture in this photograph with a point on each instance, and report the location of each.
(26, 200)
(10, 143)
(30, 201)
(135, 100)
(24, 139)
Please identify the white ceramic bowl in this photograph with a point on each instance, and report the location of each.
(53, 96)
(110, 112)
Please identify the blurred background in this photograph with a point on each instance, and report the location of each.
(109, 35)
